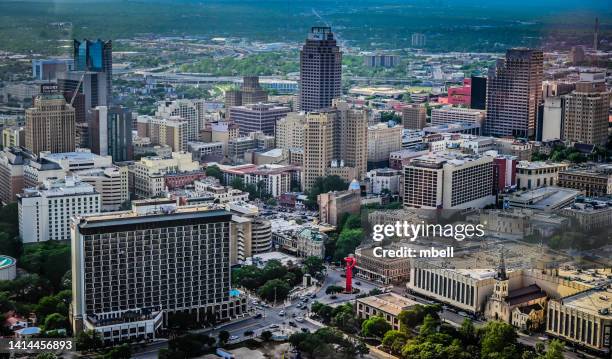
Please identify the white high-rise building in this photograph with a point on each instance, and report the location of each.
(45, 212)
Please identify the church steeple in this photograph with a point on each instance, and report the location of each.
(501, 268)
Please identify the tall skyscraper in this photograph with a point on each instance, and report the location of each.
(586, 111)
(414, 117)
(110, 132)
(320, 70)
(514, 91)
(318, 147)
(95, 56)
(50, 124)
(131, 269)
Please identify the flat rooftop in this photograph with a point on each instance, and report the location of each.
(592, 302)
(388, 302)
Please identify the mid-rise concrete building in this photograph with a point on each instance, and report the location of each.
(382, 140)
(58, 165)
(384, 179)
(45, 211)
(382, 270)
(257, 117)
(449, 181)
(110, 182)
(149, 173)
(12, 162)
(449, 115)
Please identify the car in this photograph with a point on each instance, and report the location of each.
(233, 337)
(357, 283)
(463, 314)
(299, 319)
(281, 313)
(333, 297)
(255, 302)
(273, 326)
(305, 330)
(313, 295)
(292, 324)
(293, 315)
(258, 315)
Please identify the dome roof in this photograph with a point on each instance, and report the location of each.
(354, 186)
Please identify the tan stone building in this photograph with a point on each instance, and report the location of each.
(593, 181)
(383, 270)
(289, 131)
(50, 125)
(382, 140)
(333, 205)
(335, 142)
(387, 305)
(532, 175)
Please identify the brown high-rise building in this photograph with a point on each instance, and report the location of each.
(250, 92)
(414, 117)
(514, 91)
(50, 125)
(586, 111)
(320, 70)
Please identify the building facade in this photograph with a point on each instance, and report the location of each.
(50, 125)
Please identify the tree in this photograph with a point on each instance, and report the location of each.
(275, 289)
(88, 340)
(324, 185)
(55, 321)
(224, 336)
(394, 341)
(313, 265)
(375, 327)
(554, 351)
(324, 311)
(414, 316)
(429, 326)
(49, 305)
(353, 221)
(237, 183)
(46, 356)
(6, 304)
(498, 340)
(348, 240)
(266, 335)
(214, 171)
(332, 289)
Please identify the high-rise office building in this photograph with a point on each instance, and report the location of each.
(131, 269)
(478, 95)
(95, 56)
(586, 111)
(320, 70)
(110, 131)
(164, 131)
(47, 69)
(257, 117)
(449, 115)
(50, 125)
(414, 117)
(335, 143)
(418, 40)
(90, 88)
(514, 91)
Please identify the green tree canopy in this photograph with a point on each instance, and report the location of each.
(375, 327)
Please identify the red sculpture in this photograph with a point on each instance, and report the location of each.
(350, 264)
